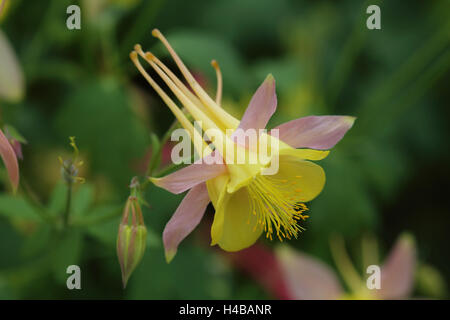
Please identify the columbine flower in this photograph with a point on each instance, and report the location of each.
(247, 202)
(9, 157)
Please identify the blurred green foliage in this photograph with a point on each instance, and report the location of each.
(388, 175)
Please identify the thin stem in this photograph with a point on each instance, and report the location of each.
(157, 159)
(171, 168)
(344, 264)
(68, 205)
(369, 251)
(219, 82)
(422, 84)
(140, 25)
(36, 46)
(414, 92)
(408, 70)
(110, 51)
(344, 64)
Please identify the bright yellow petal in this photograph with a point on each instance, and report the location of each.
(306, 154)
(217, 189)
(240, 229)
(304, 177)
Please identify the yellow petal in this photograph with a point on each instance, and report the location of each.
(307, 154)
(217, 188)
(239, 226)
(306, 178)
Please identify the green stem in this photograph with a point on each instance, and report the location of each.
(408, 70)
(344, 264)
(36, 46)
(164, 140)
(414, 93)
(156, 157)
(68, 205)
(352, 47)
(141, 25)
(422, 84)
(110, 50)
(171, 168)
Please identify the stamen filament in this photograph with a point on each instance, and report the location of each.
(191, 107)
(171, 75)
(219, 82)
(229, 121)
(146, 56)
(199, 144)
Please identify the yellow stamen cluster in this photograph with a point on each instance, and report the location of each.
(277, 206)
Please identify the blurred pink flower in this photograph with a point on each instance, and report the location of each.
(290, 274)
(8, 155)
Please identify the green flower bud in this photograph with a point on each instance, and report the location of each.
(131, 239)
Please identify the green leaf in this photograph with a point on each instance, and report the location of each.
(105, 232)
(58, 198)
(17, 207)
(10, 244)
(38, 242)
(14, 133)
(67, 251)
(82, 199)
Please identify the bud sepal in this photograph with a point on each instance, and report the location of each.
(132, 237)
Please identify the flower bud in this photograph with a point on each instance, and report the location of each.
(15, 139)
(131, 239)
(69, 167)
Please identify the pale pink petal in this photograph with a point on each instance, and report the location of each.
(190, 176)
(397, 273)
(9, 158)
(308, 278)
(185, 219)
(315, 132)
(261, 107)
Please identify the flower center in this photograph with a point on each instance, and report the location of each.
(277, 206)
